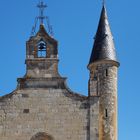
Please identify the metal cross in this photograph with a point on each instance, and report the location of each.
(41, 18)
(41, 7)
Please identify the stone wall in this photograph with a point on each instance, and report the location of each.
(108, 101)
(59, 113)
(103, 86)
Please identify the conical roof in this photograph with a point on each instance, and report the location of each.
(103, 48)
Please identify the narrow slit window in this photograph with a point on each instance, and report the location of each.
(106, 72)
(106, 113)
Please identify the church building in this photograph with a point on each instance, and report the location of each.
(42, 107)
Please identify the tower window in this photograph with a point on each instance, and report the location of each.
(106, 72)
(42, 49)
(106, 113)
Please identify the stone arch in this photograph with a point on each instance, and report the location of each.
(42, 136)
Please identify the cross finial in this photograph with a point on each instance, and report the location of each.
(42, 18)
(41, 7)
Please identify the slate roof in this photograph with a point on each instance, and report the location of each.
(103, 48)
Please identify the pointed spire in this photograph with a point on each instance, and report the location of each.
(103, 48)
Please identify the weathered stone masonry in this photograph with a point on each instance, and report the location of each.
(42, 107)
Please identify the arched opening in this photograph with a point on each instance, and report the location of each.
(42, 47)
(42, 136)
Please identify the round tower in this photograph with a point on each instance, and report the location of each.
(103, 68)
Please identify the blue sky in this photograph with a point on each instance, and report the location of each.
(74, 25)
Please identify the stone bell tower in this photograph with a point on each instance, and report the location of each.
(103, 67)
(41, 58)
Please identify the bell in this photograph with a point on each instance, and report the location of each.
(41, 46)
